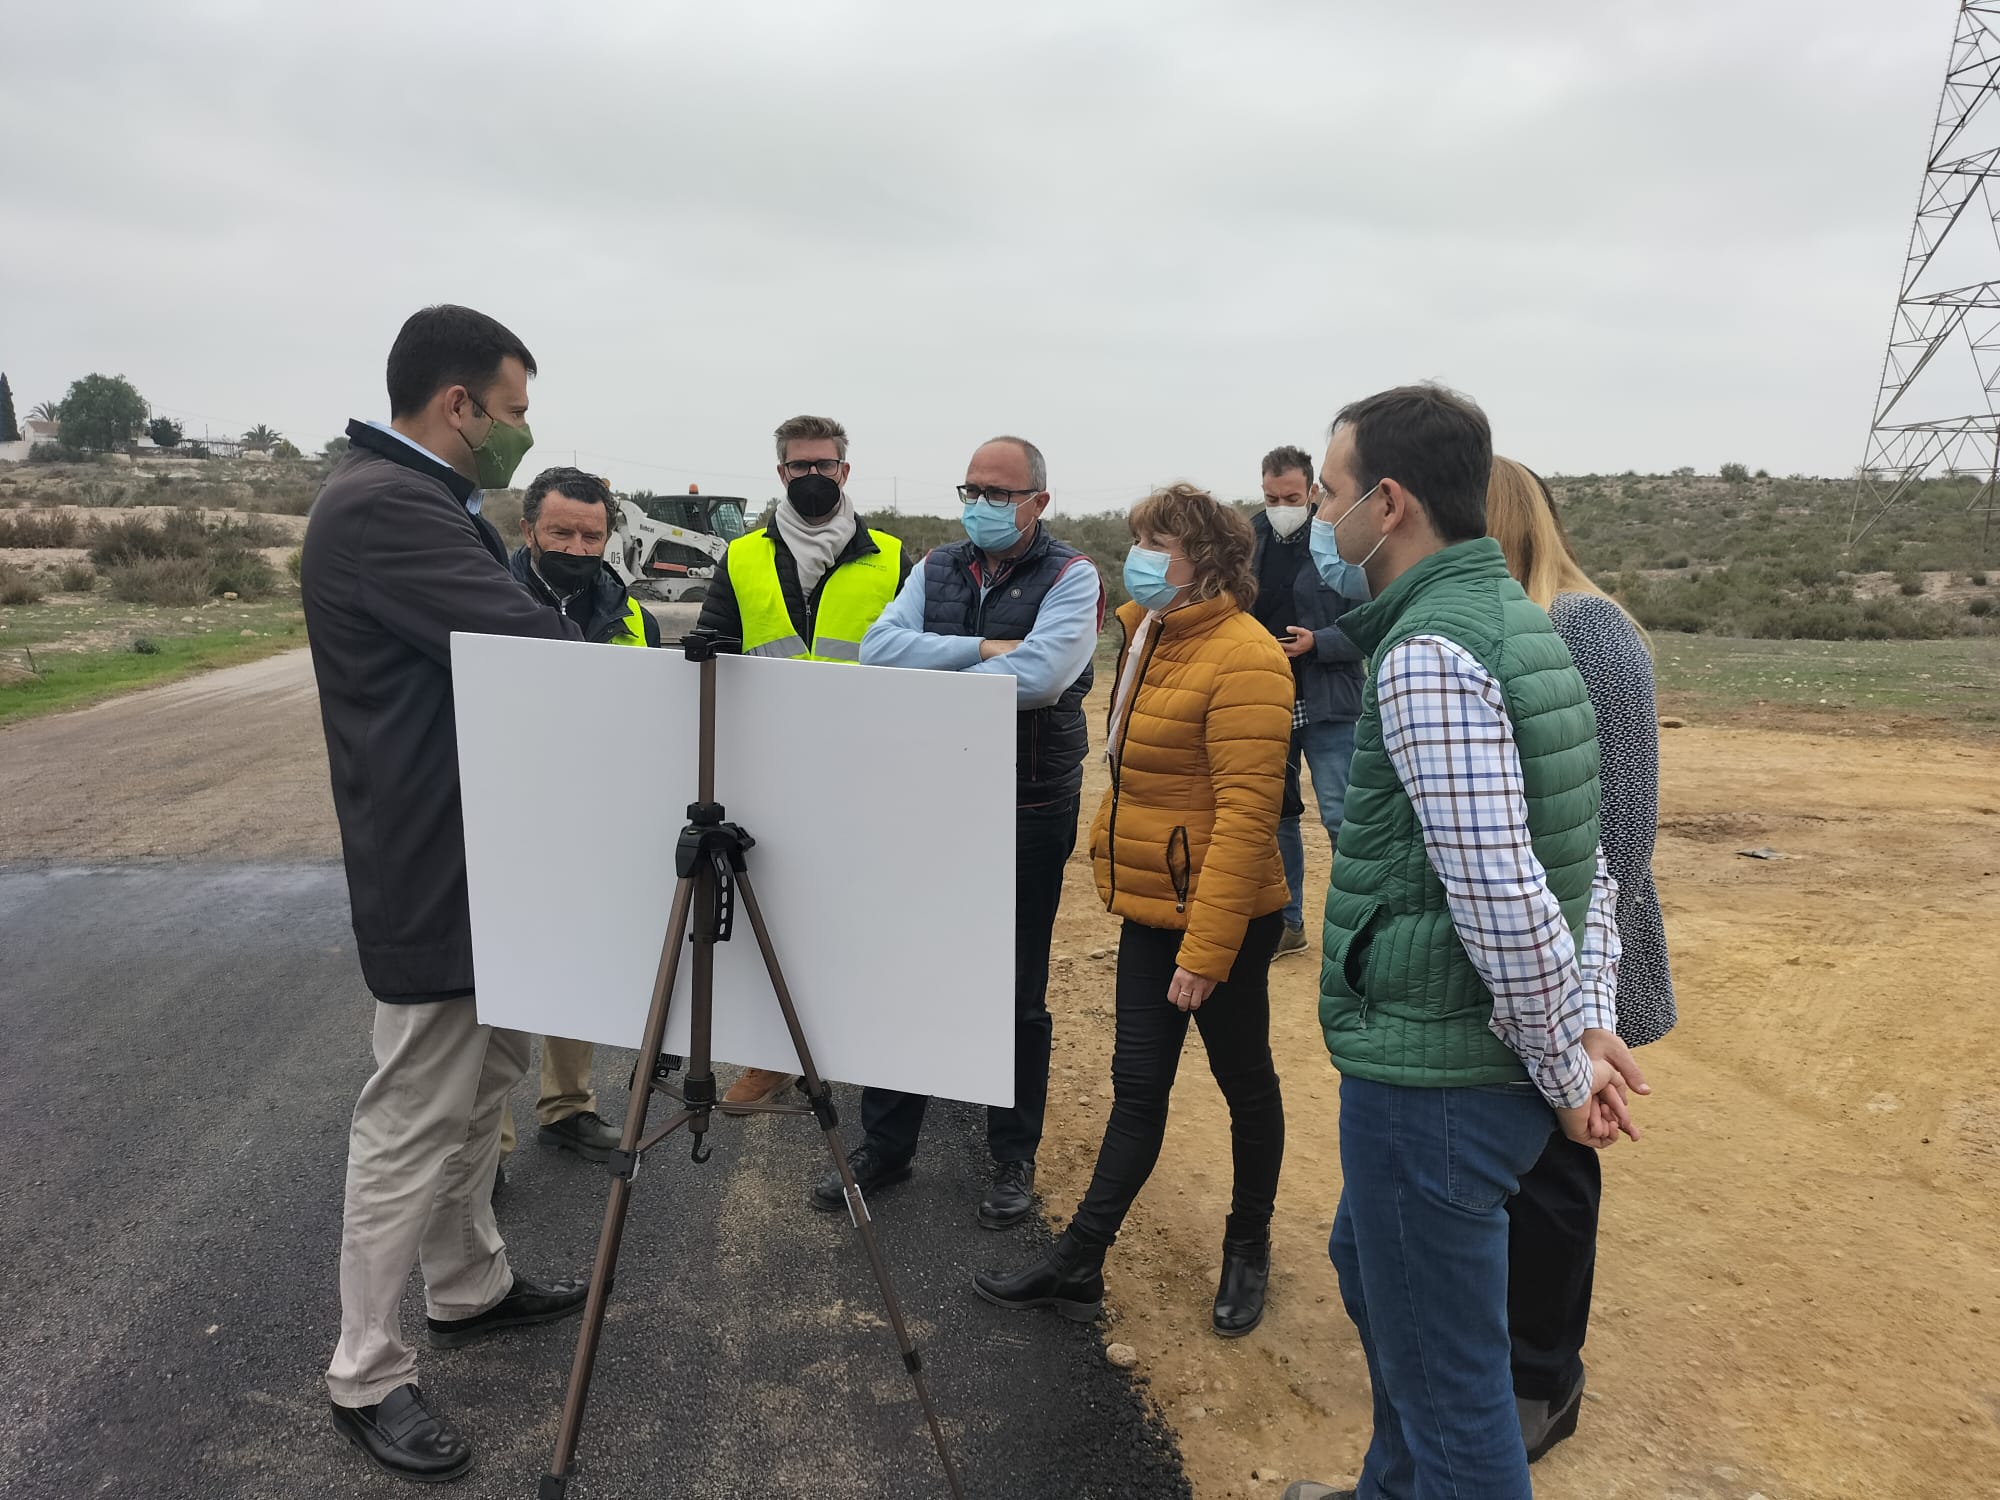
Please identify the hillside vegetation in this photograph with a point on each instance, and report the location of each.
(1768, 558)
(1759, 558)
(1748, 557)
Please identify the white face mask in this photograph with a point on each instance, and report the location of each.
(1287, 519)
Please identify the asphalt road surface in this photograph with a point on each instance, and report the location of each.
(185, 1040)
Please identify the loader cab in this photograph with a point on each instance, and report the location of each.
(715, 515)
(671, 545)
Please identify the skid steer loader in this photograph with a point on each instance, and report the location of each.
(667, 547)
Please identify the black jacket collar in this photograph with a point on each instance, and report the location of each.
(384, 445)
(608, 602)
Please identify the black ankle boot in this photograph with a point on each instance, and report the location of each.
(1069, 1278)
(1239, 1299)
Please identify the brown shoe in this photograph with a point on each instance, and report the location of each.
(754, 1086)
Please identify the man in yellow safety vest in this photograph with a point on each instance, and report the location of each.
(807, 586)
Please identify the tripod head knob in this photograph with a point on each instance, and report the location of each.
(706, 645)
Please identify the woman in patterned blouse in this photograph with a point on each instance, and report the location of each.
(1552, 1245)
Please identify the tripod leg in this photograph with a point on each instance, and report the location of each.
(857, 1206)
(556, 1481)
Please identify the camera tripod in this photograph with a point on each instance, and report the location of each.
(710, 863)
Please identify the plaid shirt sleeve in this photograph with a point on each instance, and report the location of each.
(1446, 731)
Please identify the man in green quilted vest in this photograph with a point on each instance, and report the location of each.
(1471, 948)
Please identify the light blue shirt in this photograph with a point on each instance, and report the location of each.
(1056, 651)
(473, 501)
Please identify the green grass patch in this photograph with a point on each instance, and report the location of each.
(1955, 682)
(78, 652)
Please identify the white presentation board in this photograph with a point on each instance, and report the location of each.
(882, 802)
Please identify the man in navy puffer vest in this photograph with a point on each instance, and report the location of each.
(1009, 599)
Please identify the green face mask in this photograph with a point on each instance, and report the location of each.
(502, 451)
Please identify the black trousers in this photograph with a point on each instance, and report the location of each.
(1235, 1026)
(1043, 840)
(1551, 1262)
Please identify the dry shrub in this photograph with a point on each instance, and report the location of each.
(160, 580)
(135, 539)
(78, 578)
(254, 531)
(234, 570)
(39, 528)
(18, 586)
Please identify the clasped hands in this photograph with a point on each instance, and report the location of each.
(1599, 1120)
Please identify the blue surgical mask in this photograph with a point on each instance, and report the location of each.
(1349, 580)
(1146, 578)
(991, 527)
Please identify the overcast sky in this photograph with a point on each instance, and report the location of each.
(1157, 238)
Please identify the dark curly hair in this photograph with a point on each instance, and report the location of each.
(1213, 536)
(574, 483)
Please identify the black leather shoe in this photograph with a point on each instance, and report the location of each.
(400, 1434)
(526, 1304)
(584, 1133)
(1239, 1299)
(1546, 1423)
(1070, 1278)
(1012, 1196)
(872, 1171)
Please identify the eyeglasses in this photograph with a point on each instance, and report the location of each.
(992, 494)
(798, 469)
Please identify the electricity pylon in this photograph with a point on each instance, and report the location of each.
(1935, 411)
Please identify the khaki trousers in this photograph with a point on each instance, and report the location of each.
(566, 1087)
(420, 1162)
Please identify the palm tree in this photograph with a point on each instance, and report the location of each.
(48, 411)
(262, 439)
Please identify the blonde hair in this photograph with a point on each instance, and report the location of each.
(1521, 516)
(1213, 536)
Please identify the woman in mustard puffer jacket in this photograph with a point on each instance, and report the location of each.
(1185, 847)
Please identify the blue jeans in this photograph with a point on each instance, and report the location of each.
(1328, 750)
(1420, 1245)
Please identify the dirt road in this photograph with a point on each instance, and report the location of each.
(1799, 1286)
(1798, 1291)
(224, 765)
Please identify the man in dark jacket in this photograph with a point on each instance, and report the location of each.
(1302, 613)
(396, 558)
(565, 522)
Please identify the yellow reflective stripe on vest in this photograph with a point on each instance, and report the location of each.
(632, 629)
(855, 593)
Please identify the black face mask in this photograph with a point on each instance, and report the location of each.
(567, 573)
(813, 496)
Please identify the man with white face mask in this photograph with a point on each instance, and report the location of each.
(1301, 612)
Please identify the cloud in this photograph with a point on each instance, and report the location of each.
(1160, 239)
